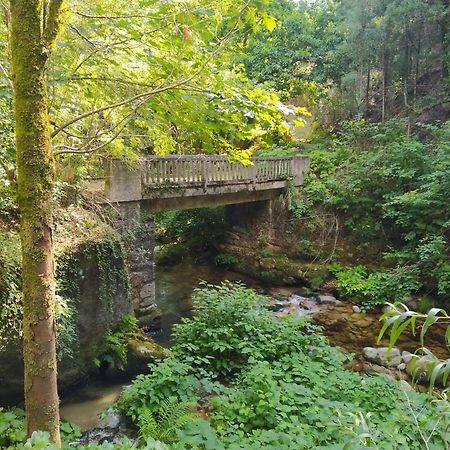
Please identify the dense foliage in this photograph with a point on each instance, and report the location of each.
(390, 190)
(198, 231)
(125, 72)
(261, 381)
(383, 58)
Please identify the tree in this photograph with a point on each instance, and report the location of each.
(294, 57)
(196, 30)
(34, 28)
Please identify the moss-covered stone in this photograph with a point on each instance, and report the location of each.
(141, 352)
(151, 319)
(281, 270)
(92, 284)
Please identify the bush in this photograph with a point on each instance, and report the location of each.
(275, 384)
(389, 189)
(232, 326)
(377, 288)
(13, 434)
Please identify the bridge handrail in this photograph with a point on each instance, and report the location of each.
(158, 171)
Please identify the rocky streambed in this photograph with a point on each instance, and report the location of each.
(356, 332)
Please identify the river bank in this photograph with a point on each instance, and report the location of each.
(345, 325)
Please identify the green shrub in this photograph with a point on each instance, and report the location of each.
(232, 326)
(377, 288)
(226, 260)
(164, 424)
(13, 433)
(281, 387)
(113, 347)
(390, 189)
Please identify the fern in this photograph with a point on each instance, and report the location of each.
(163, 424)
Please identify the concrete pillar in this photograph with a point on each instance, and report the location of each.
(139, 236)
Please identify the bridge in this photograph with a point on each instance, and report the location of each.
(182, 182)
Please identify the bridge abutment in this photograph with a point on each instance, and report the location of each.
(257, 224)
(138, 233)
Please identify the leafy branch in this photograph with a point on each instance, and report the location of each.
(399, 317)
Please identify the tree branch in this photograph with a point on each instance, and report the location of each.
(158, 90)
(161, 88)
(130, 16)
(5, 72)
(52, 22)
(84, 150)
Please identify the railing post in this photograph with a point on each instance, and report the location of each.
(299, 166)
(122, 182)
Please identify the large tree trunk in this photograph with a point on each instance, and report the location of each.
(34, 25)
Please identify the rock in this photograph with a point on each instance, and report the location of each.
(356, 309)
(378, 369)
(327, 299)
(420, 370)
(112, 420)
(406, 357)
(150, 321)
(401, 366)
(412, 304)
(148, 290)
(364, 322)
(383, 356)
(370, 353)
(387, 309)
(405, 386)
(141, 352)
(389, 358)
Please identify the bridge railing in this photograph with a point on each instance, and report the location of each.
(187, 170)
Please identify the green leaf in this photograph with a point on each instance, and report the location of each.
(269, 22)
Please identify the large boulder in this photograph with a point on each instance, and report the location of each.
(93, 290)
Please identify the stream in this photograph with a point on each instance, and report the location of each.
(343, 324)
(174, 286)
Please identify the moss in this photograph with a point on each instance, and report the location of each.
(146, 349)
(141, 352)
(281, 270)
(150, 319)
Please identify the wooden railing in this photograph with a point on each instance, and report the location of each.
(187, 170)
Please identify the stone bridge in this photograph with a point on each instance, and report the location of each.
(183, 182)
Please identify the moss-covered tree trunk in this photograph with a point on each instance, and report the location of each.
(34, 26)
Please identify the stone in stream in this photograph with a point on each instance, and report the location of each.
(112, 420)
(327, 299)
(356, 309)
(422, 368)
(383, 356)
(405, 386)
(406, 357)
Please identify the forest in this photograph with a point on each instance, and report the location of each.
(303, 310)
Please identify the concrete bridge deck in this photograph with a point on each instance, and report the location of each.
(182, 182)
